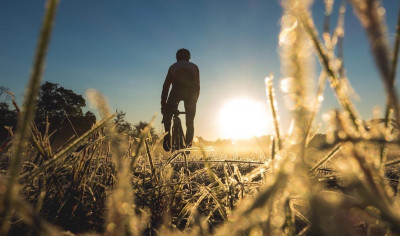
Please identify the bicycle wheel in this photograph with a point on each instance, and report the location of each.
(173, 139)
(175, 134)
(178, 137)
(182, 142)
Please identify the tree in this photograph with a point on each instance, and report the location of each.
(7, 118)
(140, 126)
(62, 108)
(122, 125)
(56, 101)
(3, 90)
(135, 131)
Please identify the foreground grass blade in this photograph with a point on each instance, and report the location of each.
(143, 136)
(274, 109)
(393, 68)
(29, 216)
(147, 146)
(65, 151)
(26, 117)
(263, 196)
(326, 158)
(317, 103)
(120, 214)
(371, 17)
(333, 75)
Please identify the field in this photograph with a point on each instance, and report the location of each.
(343, 182)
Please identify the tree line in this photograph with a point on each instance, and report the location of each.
(60, 111)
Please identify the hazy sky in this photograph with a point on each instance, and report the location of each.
(124, 48)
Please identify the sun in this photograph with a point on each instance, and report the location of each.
(243, 118)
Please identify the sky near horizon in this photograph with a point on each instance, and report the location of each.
(124, 49)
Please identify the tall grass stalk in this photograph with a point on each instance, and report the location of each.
(273, 147)
(330, 43)
(274, 108)
(143, 136)
(328, 13)
(317, 104)
(299, 79)
(326, 158)
(65, 151)
(339, 33)
(371, 16)
(388, 109)
(393, 67)
(27, 114)
(149, 156)
(298, 72)
(329, 64)
(377, 193)
(267, 211)
(121, 215)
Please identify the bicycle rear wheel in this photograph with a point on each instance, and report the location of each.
(174, 139)
(178, 138)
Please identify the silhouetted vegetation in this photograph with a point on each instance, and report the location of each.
(8, 117)
(62, 109)
(133, 131)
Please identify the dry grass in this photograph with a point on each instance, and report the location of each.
(106, 183)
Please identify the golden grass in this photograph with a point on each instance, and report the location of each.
(101, 183)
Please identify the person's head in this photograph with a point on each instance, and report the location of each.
(182, 54)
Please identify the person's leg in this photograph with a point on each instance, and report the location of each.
(171, 106)
(167, 122)
(190, 108)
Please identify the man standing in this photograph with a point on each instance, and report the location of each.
(184, 77)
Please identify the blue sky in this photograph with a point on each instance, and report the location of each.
(124, 48)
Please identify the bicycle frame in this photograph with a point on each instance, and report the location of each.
(178, 137)
(179, 141)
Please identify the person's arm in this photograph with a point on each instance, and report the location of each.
(165, 90)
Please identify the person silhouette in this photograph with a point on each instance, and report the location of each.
(184, 76)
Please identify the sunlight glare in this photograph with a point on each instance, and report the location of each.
(243, 118)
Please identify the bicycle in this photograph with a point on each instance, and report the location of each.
(178, 137)
(178, 141)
